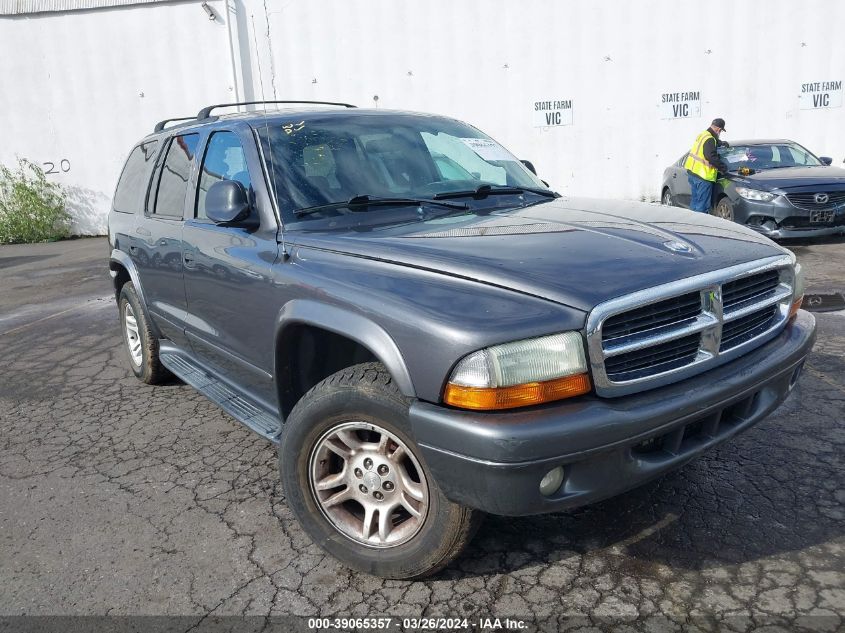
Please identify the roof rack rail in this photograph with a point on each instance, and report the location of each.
(206, 112)
(160, 125)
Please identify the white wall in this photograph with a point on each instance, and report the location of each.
(77, 77)
(83, 87)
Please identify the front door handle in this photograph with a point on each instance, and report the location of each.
(188, 259)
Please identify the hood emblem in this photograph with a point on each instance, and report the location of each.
(677, 247)
(821, 198)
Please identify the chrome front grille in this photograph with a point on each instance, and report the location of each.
(665, 334)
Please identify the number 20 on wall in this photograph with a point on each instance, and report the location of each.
(50, 167)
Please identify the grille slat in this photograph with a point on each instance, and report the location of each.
(650, 357)
(756, 287)
(675, 310)
(735, 332)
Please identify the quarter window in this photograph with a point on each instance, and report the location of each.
(224, 160)
(173, 181)
(129, 195)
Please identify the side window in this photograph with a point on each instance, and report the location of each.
(224, 160)
(175, 173)
(131, 188)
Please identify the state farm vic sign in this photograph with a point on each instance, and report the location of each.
(552, 113)
(680, 105)
(820, 94)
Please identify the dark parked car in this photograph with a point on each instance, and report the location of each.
(430, 333)
(775, 187)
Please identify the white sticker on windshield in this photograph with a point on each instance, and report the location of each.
(488, 149)
(736, 157)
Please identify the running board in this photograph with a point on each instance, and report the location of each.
(255, 418)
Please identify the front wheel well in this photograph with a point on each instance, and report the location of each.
(306, 354)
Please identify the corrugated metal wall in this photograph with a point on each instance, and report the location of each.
(24, 7)
(76, 79)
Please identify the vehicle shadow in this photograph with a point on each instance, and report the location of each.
(766, 493)
(10, 262)
(805, 242)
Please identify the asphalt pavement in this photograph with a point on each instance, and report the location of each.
(117, 498)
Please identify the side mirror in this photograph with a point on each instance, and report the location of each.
(826, 160)
(529, 165)
(226, 201)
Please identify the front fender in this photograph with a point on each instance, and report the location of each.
(352, 326)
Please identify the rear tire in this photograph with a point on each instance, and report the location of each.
(139, 341)
(346, 458)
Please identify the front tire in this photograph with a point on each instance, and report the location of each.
(724, 209)
(666, 198)
(356, 481)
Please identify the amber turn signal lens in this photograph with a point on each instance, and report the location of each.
(796, 305)
(491, 398)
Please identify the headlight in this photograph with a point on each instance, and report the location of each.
(797, 291)
(520, 374)
(756, 194)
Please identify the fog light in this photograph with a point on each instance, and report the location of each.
(551, 482)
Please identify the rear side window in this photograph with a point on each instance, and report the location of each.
(173, 181)
(129, 196)
(224, 160)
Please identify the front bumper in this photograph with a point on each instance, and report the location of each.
(782, 220)
(495, 461)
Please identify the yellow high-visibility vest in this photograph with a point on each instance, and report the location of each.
(695, 161)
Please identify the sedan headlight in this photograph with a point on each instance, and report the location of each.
(797, 291)
(756, 194)
(520, 374)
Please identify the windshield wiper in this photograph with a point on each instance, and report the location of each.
(489, 190)
(367, 201)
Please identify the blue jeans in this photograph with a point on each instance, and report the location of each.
(702, 192)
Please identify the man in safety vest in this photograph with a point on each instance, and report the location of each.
(703, 165)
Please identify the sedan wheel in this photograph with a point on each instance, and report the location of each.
(667, 198)
(724, 209)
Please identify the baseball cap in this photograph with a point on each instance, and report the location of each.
(720, 123)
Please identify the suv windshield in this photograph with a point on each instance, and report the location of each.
(768, 156)
(321, 163)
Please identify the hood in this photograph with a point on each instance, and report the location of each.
(577, 252)
(787, 178)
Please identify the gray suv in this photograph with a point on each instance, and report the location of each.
(428, 332)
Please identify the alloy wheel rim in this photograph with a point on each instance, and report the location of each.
(133, 336)
(667, 199)
(368, 484)
(724, 212)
